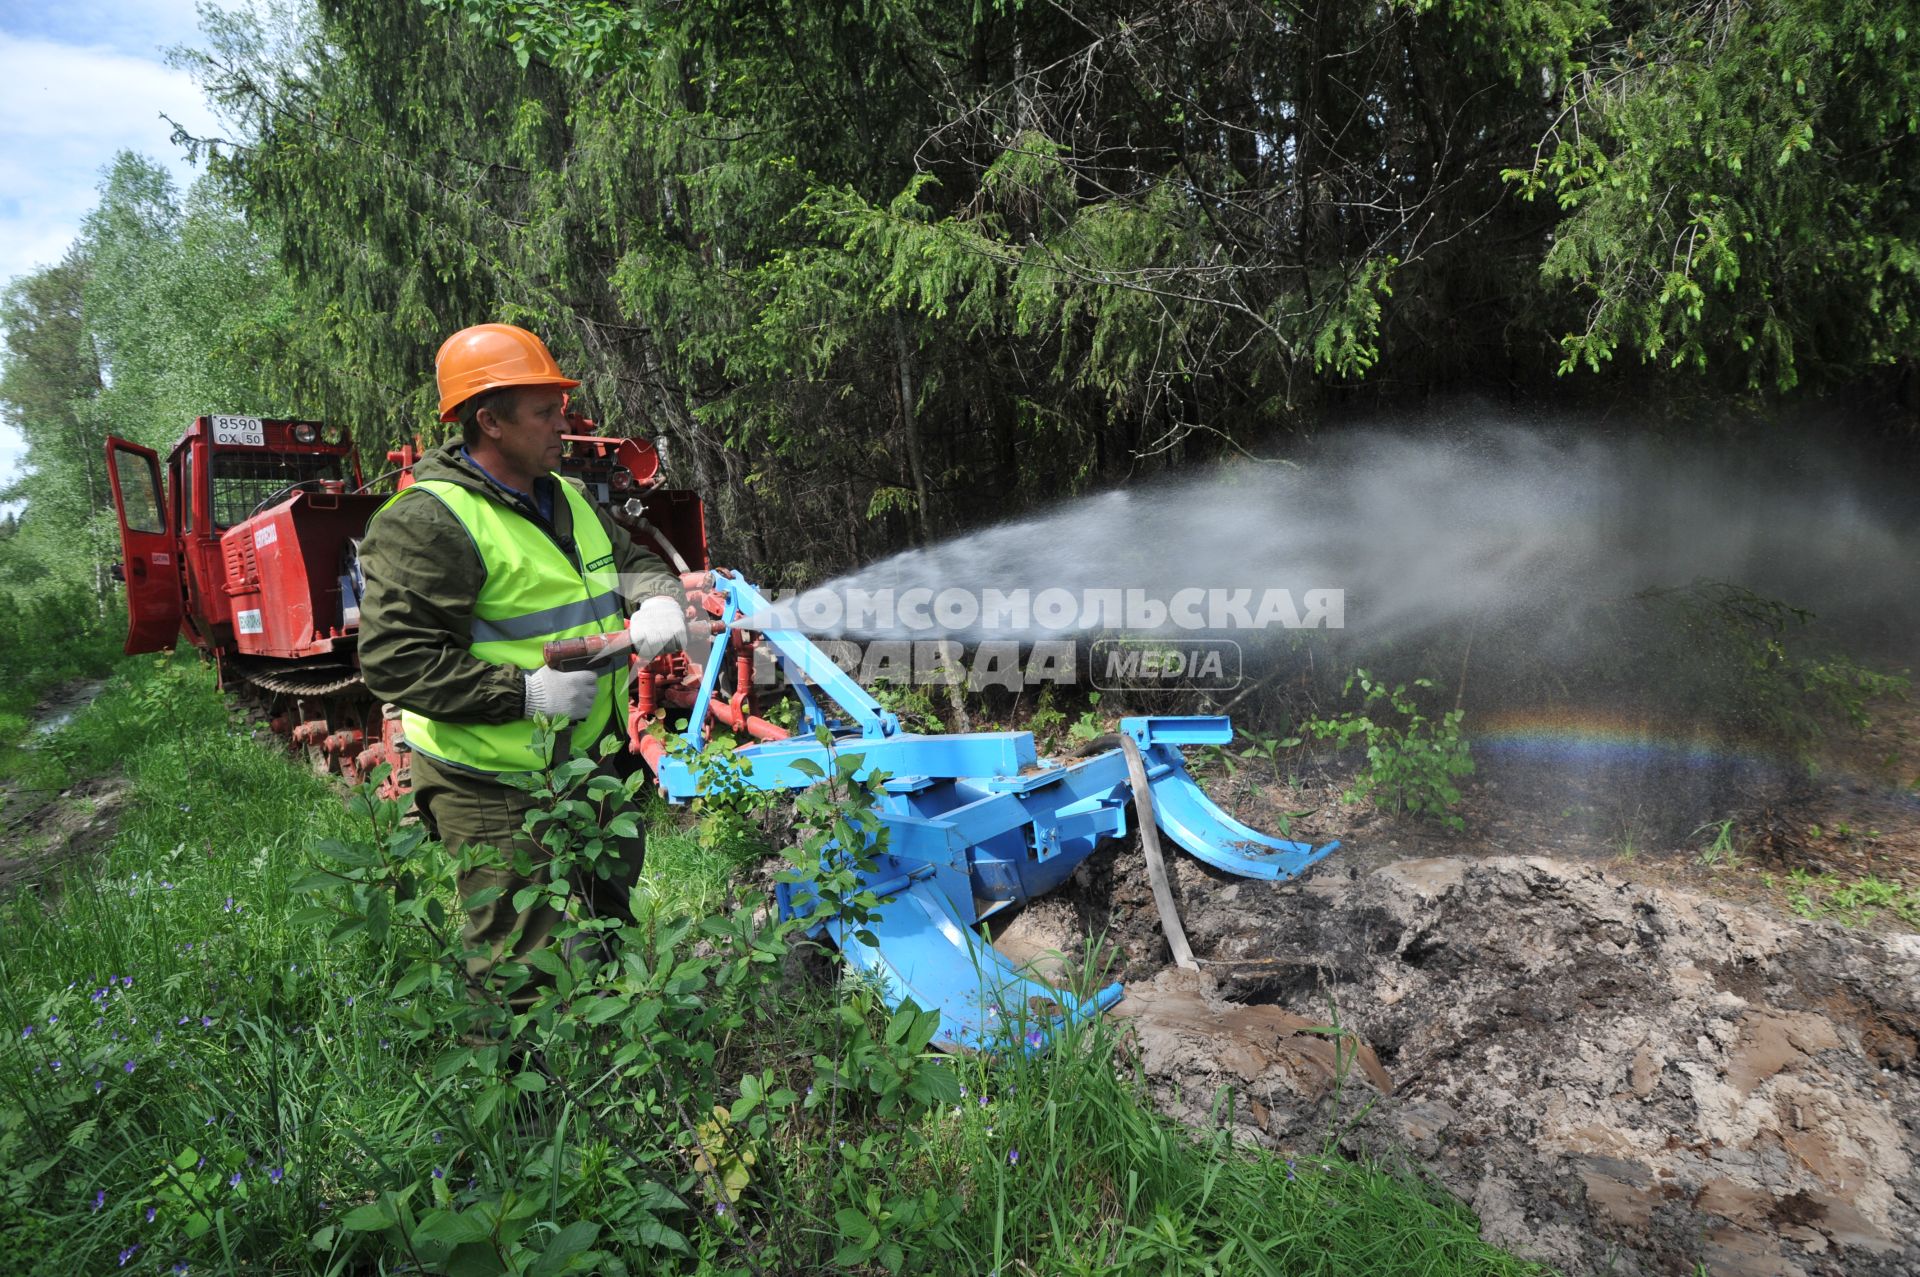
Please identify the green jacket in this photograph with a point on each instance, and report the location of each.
(422, 577)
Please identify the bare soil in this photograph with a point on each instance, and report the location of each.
(1624, 1050)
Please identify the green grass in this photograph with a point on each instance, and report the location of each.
(236, 1090)
(1851, 903)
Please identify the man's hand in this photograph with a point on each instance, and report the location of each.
(563, 693)
(658, 625)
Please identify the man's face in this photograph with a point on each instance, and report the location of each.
(529, 439)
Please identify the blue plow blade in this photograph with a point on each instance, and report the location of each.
(976, 823)
(924, 954)
(1185, 813)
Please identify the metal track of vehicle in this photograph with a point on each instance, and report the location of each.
(324, 680)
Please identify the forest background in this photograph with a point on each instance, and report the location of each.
(878, 271)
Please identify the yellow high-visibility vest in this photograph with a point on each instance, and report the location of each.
(533, 594)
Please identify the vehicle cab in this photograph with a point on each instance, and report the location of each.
(246, 545)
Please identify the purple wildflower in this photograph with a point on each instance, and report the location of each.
(52, 1020)
(720, 1208)
(56, 1066)
(27, 1032)
(1034, 1038)
(1013, 1157)
(127, 1254)
(439, 1172)
(130, 1066)
(983, 1101)
(234, 1182)
(1290, 1174)
(151, 1212)
(99, 1200)
(99, 1087)
(276, 1174)
(206, 1022)
(180, 1269)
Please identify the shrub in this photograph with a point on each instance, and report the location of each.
(1414, 762)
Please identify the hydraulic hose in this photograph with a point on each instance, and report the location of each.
(679, 564)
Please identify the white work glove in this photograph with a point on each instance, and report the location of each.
(658, 625)
(564, 694)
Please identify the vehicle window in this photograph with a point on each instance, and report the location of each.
(243, 480)
(139, 481)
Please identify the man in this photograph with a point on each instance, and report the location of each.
(469, 573)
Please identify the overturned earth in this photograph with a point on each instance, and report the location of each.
(1618, 1077)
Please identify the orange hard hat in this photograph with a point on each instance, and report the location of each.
(488, 356)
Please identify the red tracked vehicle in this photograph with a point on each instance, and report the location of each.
(249, 549)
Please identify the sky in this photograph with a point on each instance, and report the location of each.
(79, 81)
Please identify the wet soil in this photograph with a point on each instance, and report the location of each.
(42, 832)
(1622, 1048)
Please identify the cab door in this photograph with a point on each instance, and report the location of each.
(149, 554)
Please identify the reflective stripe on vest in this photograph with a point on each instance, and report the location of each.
(532, 595)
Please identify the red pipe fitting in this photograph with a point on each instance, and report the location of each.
(311, 732)
(761, 729)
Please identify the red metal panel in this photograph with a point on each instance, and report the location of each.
(272, 604)
(150, 557)
(283, 569)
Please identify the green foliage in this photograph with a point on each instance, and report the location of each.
(1858, 902)
(162, 310)
(1088, 727)
(1735, 181)
(1413, 762)
(1047, 719)
(658, 1036)
(1750, 665)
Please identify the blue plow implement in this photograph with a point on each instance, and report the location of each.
(973, 824)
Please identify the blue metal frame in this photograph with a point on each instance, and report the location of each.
(974, 824)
